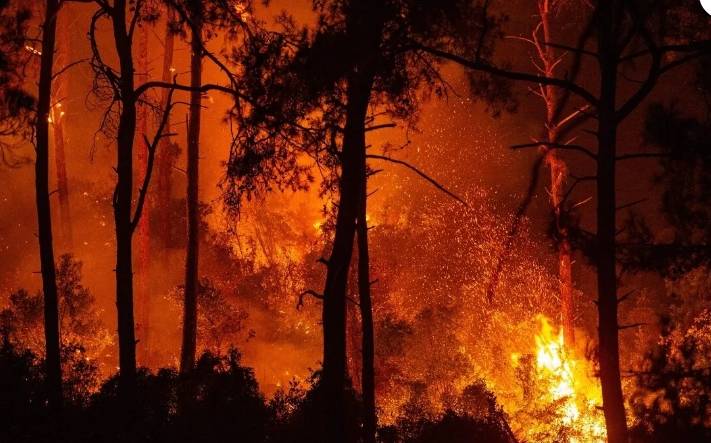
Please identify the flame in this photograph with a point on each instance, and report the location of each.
(32, 50)
(241, 11)
(56, 114)
(566, 387)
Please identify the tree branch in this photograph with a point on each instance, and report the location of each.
(513, 75)
(563, 146)
(151, 146)
(420, 173)
(310, 292)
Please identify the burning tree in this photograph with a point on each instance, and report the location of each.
(623, 31)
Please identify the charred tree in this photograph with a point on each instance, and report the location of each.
(44, 212)
(608, 336)
(187, 354)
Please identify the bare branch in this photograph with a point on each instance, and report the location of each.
(562, 146)
(513, 229)
(69, 66)
(570, 48)
(310, 292)
(151, 146)
(630, 326)
(626, 295)
(630, 204)
(382, 126)
(513, 75)
(421, 174)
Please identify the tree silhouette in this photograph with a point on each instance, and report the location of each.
(187, 353)
(16, 103)
(44, 212)
(354, 92)
(119, 86)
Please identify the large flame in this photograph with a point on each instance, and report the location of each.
(565, 389)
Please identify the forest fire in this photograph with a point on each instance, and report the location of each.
(355, 221)
(565, 385)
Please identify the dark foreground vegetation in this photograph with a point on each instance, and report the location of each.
(228, 403)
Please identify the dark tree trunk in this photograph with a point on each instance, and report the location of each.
(44, 216)
(334, 302)
(122, 209)
(612, 399)
(364, 29)
(187, 355)
(366, 318)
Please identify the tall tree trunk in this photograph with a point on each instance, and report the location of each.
(558, 172)
(366, 317)
(612, 399)
(187, 356)
(44, 216)
(144, 234)
(364, 27)
(60, 91)
(122, 209)
(166, 152)
(334, 295)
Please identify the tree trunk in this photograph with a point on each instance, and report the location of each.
(366, 317)
(44, 216)
(144, 234)
(558, 172)
(334, 300)
(166, 152)
(364, 29)
(122, 209)
(187, 356)
(612, 399)
(57, 114)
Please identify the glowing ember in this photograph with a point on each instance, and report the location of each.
(565, 389)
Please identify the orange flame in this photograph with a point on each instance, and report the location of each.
(566, 387)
